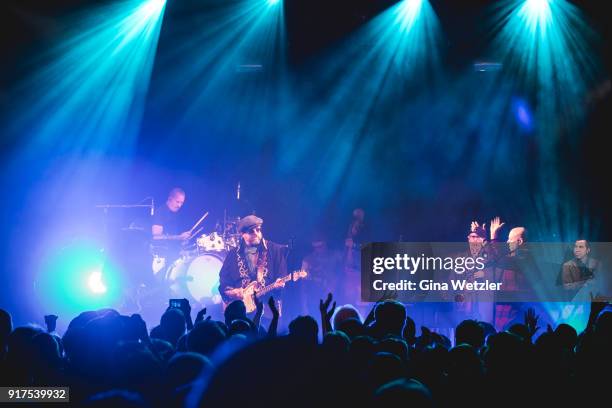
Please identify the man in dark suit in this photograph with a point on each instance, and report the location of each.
(254, 260)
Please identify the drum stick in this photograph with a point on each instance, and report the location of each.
(199, 221)
(197, 232)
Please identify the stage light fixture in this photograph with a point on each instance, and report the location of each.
(537, 15)
(486, 66)
(522, 114)
(152, 7)
(408, 12)
(95, 283)
(76, 277)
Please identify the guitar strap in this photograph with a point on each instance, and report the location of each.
(262, 267)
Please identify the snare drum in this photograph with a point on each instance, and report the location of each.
(212, 242)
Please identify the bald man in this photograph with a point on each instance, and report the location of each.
(516, 238)
(165, 232)
(511, 267)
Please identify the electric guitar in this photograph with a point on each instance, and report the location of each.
(254, 288)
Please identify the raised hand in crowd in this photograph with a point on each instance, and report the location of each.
(494, 228)
(275, 315)
(186, 309)
(531, 321)
(598, 303)
(258, 312)
(273, 308)
(326, 313)
(474, 226)
(200, 316)
(51, 323)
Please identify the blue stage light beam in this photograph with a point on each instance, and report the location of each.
(384, 61)
(229, 65)
(549, 49)
(548, 46)
(85, 99)
(79, 103)
(88, 94)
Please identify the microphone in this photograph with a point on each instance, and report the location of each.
(289, 246)
(238, 192)
(152, 207)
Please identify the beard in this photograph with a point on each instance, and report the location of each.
(475, 248)
(253, 241)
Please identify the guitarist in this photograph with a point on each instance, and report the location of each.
(254, 260)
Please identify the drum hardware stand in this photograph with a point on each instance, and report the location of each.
(105, 208)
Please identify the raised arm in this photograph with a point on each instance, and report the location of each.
(326, 313)
(496, 224)
(258, 313)
(275, 315)
(598, 303)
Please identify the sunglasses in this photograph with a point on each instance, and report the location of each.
(254, 230)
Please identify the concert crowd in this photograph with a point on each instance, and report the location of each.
(337, 358)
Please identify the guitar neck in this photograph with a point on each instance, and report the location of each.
(272, 286)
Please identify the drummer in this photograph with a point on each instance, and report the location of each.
(165, 219)
(166, 235)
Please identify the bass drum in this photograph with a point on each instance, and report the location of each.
(197, 278)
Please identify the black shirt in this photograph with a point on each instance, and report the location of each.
(229, 276)
(170, 222)
(167, 219)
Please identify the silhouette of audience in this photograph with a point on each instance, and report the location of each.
(108, 359)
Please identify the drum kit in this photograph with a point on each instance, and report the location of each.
(195, 274)
(192, 272)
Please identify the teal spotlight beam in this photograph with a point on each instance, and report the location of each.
(231, 54)
(88, 94)
(549, 49)
(548, 46)
(385, 60)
